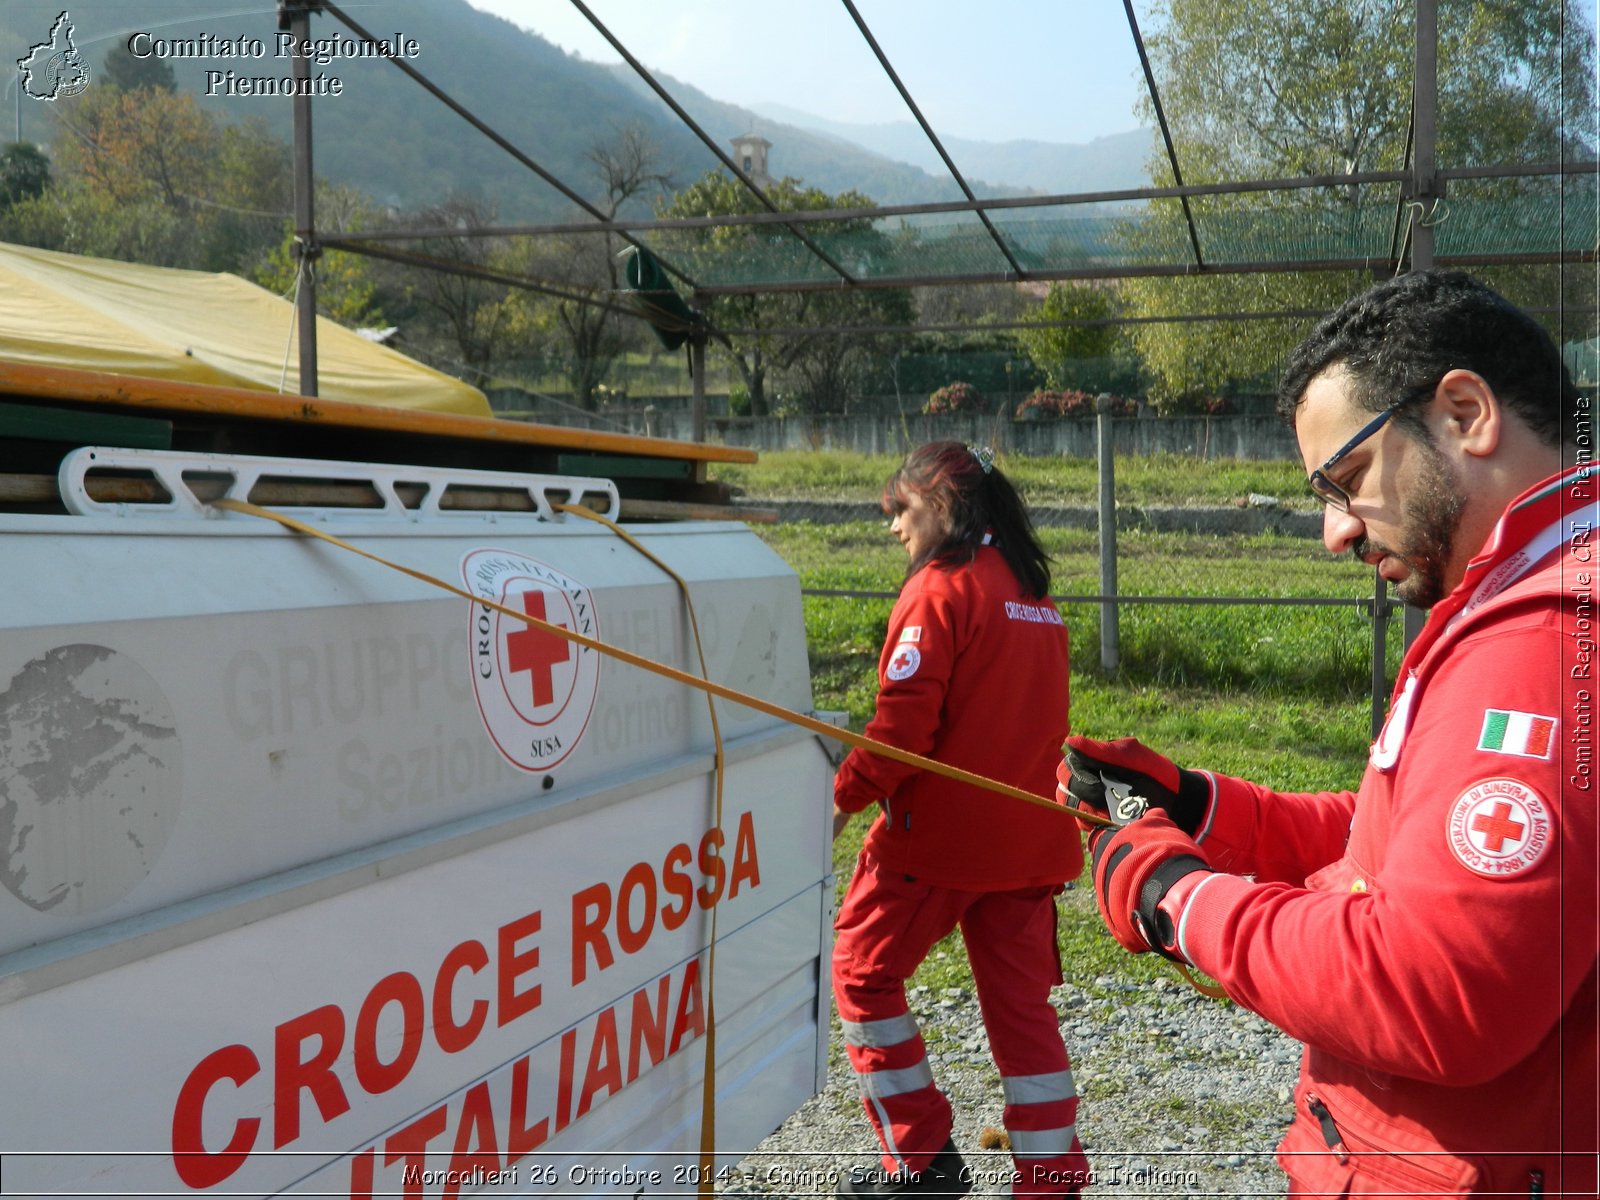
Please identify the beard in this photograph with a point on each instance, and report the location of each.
(1430, 518)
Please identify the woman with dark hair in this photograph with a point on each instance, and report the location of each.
(973, 674)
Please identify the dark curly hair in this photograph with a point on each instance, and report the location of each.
(973, 498)
(1398, 338)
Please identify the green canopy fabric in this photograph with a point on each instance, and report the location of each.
(657, 301)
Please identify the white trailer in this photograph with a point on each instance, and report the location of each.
(318, 879)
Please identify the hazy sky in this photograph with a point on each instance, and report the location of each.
(1054, 70)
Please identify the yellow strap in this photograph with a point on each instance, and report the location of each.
(708, 1083)
(1213, 990)
(860, 741)
(711, 688)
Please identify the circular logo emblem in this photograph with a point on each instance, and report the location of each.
(91, 774)
(907, 658)
(71, 76)
(1129, 808)
(535, 689)
(1499, 827)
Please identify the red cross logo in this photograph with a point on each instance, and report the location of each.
(537, 652)
(904, 662)
(1497, 827)
(536, 691)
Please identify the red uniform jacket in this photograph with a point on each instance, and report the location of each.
(1438, 959)
(973, 674)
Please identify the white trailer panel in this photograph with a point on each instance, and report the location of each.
(287, 907)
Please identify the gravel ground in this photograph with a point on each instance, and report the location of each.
(1180, 1096)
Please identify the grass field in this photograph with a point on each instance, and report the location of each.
(1275, 694)
(1325, 650)
(1162, 479)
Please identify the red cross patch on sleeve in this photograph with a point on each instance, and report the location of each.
(1499, 827)
(907, 658)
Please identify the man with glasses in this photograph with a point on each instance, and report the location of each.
(1430, 938)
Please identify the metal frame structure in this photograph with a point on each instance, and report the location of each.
(1419, 187)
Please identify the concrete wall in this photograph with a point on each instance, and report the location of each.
(1218, 520)
(1204, 437)
(1248, 437)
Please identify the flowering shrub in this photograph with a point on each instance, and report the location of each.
(1197, 404)
(1045, 403)
(955, 397)
(1071, 403)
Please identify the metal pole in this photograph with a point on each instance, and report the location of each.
(305, 247)
(1425, 103)
(1110, 641)
(1424, 178)
(697, 375)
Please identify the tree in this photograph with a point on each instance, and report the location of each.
(804, 336)
(146, 175)
(477, 327)
(975, 304)
(1056, 349)
(24, 173)
(975, 343)
(465, 321)
(588, 265)
(1283, 88)
(145, 144)
(246, 197)
(122, 69)
(347, 286)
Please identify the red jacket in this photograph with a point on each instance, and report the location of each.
(973, 674)
(1438, 959)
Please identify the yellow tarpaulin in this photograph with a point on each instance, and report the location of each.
(95, 314)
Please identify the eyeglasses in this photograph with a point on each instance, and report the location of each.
(1322, 484)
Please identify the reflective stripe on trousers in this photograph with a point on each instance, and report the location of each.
(896, 1083)
(1041, 1114)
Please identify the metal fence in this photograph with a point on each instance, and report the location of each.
(1225, 599)
(1310, 632)
(1247, 436)
(1327, 643)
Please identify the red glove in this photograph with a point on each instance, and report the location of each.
(1135, 869)
(1125, 778)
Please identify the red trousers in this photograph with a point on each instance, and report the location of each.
(886, 927)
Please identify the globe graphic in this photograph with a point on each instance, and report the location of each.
(90, 779)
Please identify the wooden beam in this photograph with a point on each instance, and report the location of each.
(30, 382)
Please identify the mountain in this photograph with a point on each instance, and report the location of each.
(820, 159)
(1118, 160)
(386, 135)
(383, 132)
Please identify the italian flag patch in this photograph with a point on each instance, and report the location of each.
(1527, 735)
